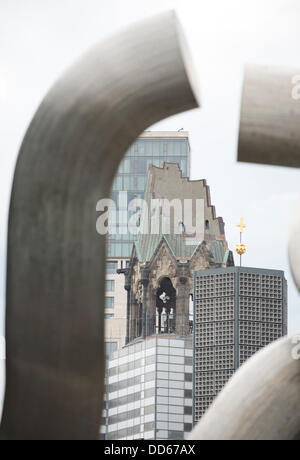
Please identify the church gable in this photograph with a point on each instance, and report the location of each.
(163, 263)
(202, 259)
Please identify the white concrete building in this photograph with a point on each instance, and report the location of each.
(115, 306)
(149, 390)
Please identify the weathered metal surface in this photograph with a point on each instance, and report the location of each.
(270, 130)
(56, 260)
(261, 402)
(294, 246)
(270, 116)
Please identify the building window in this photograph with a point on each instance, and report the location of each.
(188, 427)
(111, 268)
(108, 316)
(188, 410)
(188, 377)
(207, 225)
(181, 227)
(135, 164)
(110, 286)
(109, 302)
(110, 347)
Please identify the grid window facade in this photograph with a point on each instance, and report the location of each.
(245, 352)
(271, 311)
(202, 404)
(224, 333)
(205, 335)
(224, 309)
(250, 309)
(224, 358)
(204, 359)
(237, 311)
(249, 333)
(222, 377)
(270, 332)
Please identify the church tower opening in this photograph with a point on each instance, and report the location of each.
(165, 307)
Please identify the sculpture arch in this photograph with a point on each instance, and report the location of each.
(56, 259)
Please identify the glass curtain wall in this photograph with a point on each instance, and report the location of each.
(131, 177)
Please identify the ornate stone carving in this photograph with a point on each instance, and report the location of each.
(139, 293)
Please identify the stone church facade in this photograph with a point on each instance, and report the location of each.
(159, 278)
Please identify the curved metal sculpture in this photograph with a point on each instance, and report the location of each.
(269, 130)
(270, 117)
(262, 401)
(294, 248)
(56, 260)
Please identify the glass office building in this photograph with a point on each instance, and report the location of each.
(150, 148)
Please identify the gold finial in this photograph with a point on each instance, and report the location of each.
(241, 248)
(241, 225)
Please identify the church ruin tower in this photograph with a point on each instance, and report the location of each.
(159, 278)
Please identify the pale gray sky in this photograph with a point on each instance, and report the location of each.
(39, 39)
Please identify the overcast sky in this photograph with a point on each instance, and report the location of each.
(40, 38)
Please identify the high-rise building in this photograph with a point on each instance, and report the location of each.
(149, 390)
(152, 147)
(237, 311)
